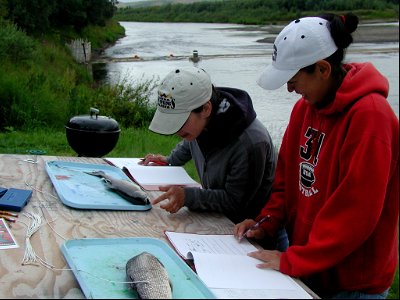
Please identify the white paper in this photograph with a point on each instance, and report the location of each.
(213, 270)
(185, 243)
(256, 294)
(222, 263)
(153, 175)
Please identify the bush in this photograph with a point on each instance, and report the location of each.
(129, 103)
(41, 86)
(15, 45)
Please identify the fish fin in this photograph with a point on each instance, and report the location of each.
(132, 199)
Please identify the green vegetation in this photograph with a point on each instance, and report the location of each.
(394, 289)
(37, 16)
(146, 3)
(256, 11)
(131, 143)
(42, 86)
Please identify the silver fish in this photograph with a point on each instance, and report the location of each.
(150, 275)
(127, 189)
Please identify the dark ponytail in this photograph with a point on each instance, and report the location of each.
(341, 28)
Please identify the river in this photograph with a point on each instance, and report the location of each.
(232, 56)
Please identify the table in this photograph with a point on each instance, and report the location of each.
(63, 223)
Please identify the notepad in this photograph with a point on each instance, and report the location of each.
(222, 263)
(152, 177)
(15, 199)
(2, 191)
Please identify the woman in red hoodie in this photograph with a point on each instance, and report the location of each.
(336, 189)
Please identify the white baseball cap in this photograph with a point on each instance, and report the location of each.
(181, 91)
(300, 44)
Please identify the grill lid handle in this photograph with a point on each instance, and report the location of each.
(94, 111)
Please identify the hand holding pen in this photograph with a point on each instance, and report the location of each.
(255, 226)
(157, 159)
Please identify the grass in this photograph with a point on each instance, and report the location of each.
(131, 143)
(394, 290)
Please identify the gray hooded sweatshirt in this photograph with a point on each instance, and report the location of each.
(234, 157)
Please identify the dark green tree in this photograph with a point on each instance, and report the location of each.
(39, 16)
(70, 13)
(3, 9)
(31, 15)
(98, 11)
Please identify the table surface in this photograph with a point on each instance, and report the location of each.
(61, 223)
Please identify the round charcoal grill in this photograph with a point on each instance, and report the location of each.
(92, 135)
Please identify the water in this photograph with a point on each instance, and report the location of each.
(232, 56)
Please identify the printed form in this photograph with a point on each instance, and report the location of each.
(7, 240)
(222, 263)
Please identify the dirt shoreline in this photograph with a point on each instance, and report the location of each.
(367, 33)
(376, 34)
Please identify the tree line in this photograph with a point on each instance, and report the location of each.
(252, 11)
(40, 16)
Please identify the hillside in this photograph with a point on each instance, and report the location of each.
(256, 12)
(138, 4)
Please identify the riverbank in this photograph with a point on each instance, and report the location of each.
(371, 32)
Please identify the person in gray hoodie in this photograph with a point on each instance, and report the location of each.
(231, 149)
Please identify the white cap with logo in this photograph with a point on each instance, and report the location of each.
(181, 91)
(300, 44)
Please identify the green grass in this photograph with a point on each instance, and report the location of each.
(394, 290)
(131, 143)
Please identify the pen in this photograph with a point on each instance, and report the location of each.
(7, 213)
(7, 219)
(266, 218)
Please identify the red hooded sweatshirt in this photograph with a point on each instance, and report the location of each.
(337, 188)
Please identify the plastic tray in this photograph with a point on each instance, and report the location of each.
(95, 272)
(80, 190)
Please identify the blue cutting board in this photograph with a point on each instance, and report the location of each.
(95, 272)
(77, 189)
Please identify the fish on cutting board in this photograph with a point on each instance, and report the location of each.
(127, 189)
